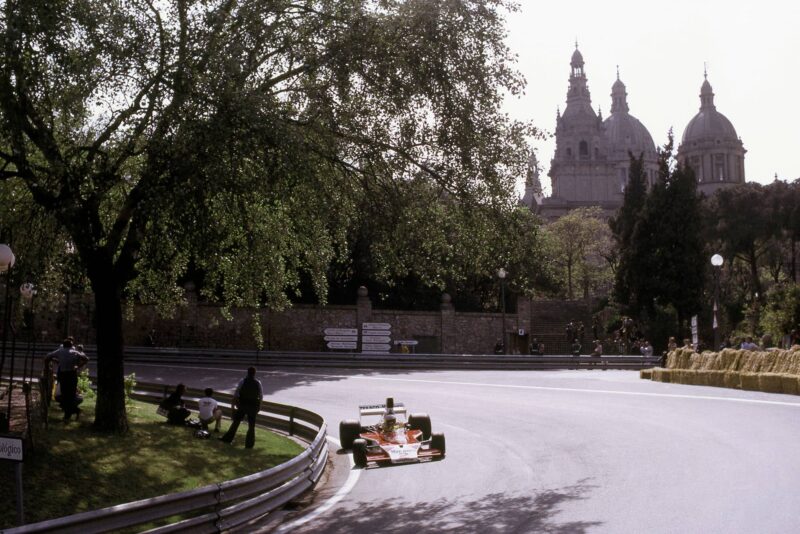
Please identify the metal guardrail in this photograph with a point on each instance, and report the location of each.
(223, 506)
(385, 361)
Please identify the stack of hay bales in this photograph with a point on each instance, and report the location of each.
(774, 371)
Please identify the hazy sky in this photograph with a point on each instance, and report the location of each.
(751, 50)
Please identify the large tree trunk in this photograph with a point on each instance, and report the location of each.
(110, 412)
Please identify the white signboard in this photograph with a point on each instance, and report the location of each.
(375, 339)
(342, 345)
(376, 326)
(694, 330)
(11, 449)
(341, 331)
(409, 342)
(341, 338)
(375, 347)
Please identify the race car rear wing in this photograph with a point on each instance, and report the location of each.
(380, 409)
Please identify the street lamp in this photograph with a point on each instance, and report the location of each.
(501, 274)
(6, 263)
(27, 291)
(716, 261)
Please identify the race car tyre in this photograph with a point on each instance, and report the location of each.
(360, 452)
(437, 442)
(349, 430)
(420, 421)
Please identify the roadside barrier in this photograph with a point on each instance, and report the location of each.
(773, 371)
(217, 507)
(382, 361)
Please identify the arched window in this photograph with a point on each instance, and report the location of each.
(583, 149)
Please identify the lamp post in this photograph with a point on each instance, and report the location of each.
(716, 261)
(28, 292)
(6, 263)
(501, 274)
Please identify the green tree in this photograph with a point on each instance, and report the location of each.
(667, 261)
(580, 242)
(238, 138)
(744, 224)
(623, 225)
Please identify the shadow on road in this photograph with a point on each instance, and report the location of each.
(493, 513)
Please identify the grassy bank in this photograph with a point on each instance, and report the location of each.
(776, 371)
(75, 469)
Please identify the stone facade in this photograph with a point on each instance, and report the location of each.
(591, 162)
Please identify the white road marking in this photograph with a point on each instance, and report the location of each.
(352, 478)
(506, 386)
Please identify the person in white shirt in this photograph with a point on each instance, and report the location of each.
(209, 410)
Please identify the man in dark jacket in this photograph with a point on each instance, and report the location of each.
(246, 402)
(70, 361)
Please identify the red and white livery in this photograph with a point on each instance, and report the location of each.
(393, 439)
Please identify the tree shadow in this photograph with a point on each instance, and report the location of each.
(496, 512)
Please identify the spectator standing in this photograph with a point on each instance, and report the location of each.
(536, 347)
(246, 402)
(576, 347)
(748, 344)
(598, 348)
(672, 344)
(70, 362)
(646, 349)
(209, 410)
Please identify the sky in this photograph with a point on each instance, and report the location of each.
(750, 51)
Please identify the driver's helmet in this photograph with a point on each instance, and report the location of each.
(389, 421)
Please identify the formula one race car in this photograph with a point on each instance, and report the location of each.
(393, 439)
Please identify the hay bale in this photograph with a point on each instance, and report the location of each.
(661, 375)
(646, 374)
(790, 384)
(770, 382)
(715, 378)
(749, 381)
(732, 379)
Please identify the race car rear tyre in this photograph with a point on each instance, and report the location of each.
(437, 442)
(349, 430)
(360, 452)
(420, 421)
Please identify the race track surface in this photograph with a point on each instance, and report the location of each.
(554, 451)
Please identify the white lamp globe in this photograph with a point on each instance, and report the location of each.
(6, 258)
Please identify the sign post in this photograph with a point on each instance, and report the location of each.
(11, 449)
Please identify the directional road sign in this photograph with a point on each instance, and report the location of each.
(376, 326)
(342, 345)
(341, 331)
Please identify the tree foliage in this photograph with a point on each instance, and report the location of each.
(239, 139)
(666, 259)
(579, 244)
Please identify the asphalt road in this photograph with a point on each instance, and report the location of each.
(555, 451)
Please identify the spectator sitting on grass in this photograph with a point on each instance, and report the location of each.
(176, 411)
(209, 410)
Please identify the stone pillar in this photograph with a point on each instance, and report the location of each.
(524, 313)
(447, 333)
(363, 307)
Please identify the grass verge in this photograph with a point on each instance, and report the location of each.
(75, 469)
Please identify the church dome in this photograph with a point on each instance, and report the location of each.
(624, 132)
(708, 124)
(577, 58)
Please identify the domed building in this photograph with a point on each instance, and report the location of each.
(591, 161)
(711, 147)
(592, 156)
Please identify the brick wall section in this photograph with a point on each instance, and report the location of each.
(300, 328)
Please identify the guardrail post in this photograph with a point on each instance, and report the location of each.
(291, 421)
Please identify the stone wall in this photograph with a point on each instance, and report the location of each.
(301, 327)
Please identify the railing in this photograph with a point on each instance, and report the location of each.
(389, 361)
(216, 507)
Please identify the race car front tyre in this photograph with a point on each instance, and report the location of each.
(360, 452)
(437, 442)
(420, 421)
(349, 430)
